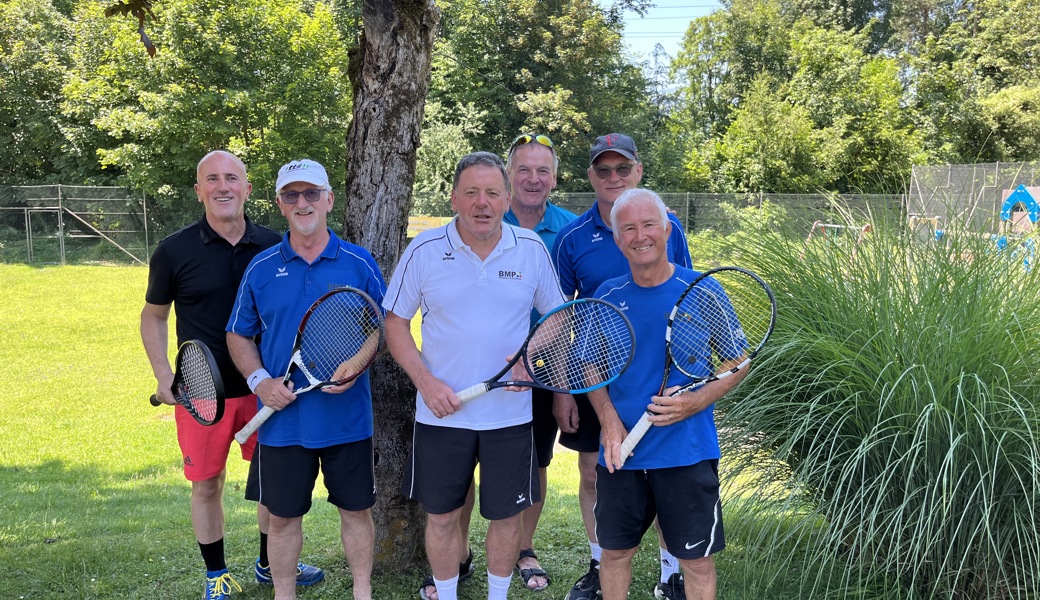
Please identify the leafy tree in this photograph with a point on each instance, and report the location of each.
(445, 140)
(265, 80)
(33, 61)
(555, 67)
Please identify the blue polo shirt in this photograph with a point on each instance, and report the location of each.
(585, 253)
(278, 288)
(680, 444)
(554, 219)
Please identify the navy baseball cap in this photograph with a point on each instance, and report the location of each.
(613, 142)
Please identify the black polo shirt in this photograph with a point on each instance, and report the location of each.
(198, 272)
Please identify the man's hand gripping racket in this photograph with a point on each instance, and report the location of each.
(720, 322)
(589, 328)
(197, 385)
(338, 339)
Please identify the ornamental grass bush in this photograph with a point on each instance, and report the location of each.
(890, 429)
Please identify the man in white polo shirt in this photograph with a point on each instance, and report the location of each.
(476, 281)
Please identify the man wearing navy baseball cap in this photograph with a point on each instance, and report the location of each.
(585, 255)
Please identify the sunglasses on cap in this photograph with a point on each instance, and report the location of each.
(527, 138)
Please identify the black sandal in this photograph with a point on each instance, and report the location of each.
(527, 574)
(466, 570)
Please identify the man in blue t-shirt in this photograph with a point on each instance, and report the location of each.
(673, 473)
(311, 431)
(586, 255)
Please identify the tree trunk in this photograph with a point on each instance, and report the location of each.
(390, 74)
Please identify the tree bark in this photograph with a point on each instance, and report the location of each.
(390, 74)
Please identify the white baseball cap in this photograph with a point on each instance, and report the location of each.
(305, 170)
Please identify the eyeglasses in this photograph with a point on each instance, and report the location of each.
(527, 138)
(311, 195)
(622, 170)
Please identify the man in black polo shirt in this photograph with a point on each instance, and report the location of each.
(197, 270)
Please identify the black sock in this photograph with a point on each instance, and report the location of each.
(213, 555)
(263, 550)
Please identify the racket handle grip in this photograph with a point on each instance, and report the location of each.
(154, 400)
(472, 392)
(258, 419)
(633, 437)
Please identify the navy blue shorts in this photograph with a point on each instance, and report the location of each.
(440, 469)
(287, 475)
(685, 500)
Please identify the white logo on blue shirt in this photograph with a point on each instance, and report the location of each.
(623, 305)
(596, 237)
(281, 272)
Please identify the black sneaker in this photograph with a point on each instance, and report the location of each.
(672, 590)
(587, 588)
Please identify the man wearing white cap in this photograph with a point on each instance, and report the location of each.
(310, 431)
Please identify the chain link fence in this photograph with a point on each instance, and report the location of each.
(57, 224)
(968, 194)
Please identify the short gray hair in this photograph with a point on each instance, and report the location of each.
(634, 195)
(480, 159)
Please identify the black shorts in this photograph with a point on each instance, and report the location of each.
(586, 439)
(440, 469)
(288, 473)
(544, 425)
(685, 501)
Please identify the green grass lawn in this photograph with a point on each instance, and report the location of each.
(93, 503)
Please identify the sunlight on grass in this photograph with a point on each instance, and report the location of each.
(95, 503)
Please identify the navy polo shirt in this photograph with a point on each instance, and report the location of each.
(198, 272)
(586, 255)
(278, 288)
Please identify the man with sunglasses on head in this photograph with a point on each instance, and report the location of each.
(586, 255)
(311, 431)
(532, 164)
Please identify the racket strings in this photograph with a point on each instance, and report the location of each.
(722, 319)
(197, 385)
(580, 347)
(336, 332)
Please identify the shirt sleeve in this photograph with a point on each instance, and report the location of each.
(561, 257)
(680, 249)
(402, 295)
(549, 295)
(160, 278)
(245, 319)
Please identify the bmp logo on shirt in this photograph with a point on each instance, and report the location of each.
(596, 237)
(514, 275)
(281, 272)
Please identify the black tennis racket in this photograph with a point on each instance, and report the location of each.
(720, 322)
(197, 385)
(338, 339)
(578, 346)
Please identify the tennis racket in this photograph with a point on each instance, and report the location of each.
(578, 346)
(720, 322)
(338, 339)
(197, 385)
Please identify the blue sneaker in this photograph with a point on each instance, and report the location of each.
(218, 585)
(305, 574)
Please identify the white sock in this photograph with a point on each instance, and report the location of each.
(669, 565)
(447, 590)
(597, 552)
(497, 586)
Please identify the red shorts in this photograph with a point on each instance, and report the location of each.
(205, 448)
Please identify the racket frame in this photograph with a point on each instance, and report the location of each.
(296, 361)
(495, 382)
(643, 425)
(177, 388)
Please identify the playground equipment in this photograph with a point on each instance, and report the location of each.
(1018, 217)
(830, 231)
